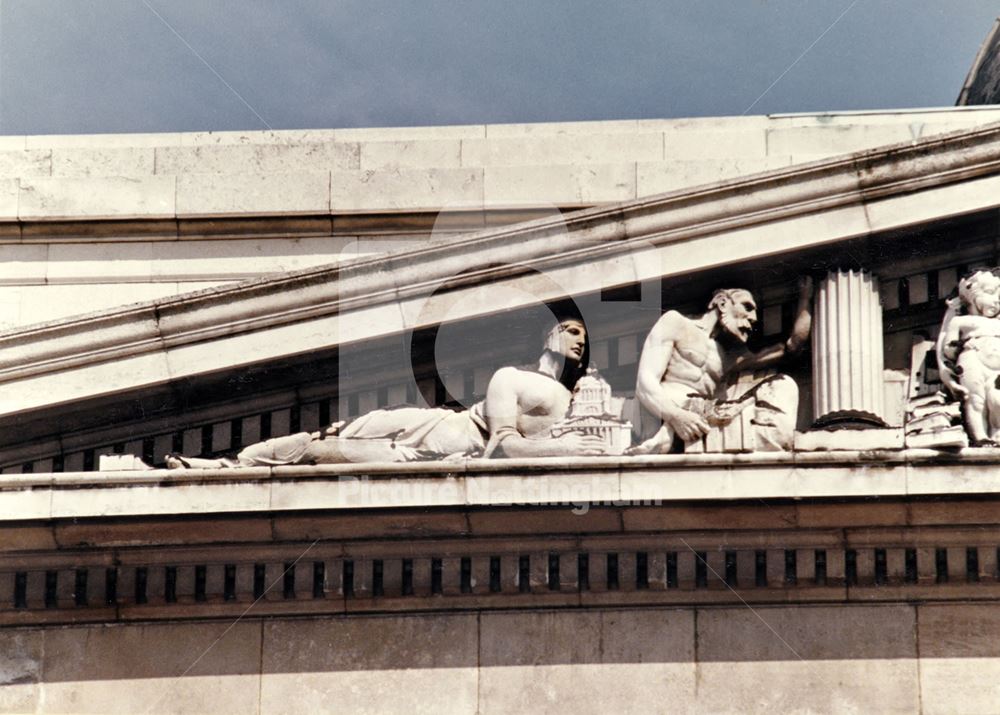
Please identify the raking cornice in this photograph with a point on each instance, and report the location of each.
(727, 222)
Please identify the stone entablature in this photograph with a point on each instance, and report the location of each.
(837, 474)
(669, 530)
(679, 568)
(300, 603)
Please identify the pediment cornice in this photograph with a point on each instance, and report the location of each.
(694, 229)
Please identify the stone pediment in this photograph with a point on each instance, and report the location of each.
(446, 559)
(776, 212)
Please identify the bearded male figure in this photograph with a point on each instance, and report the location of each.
(687, 361)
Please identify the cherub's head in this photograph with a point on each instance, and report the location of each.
(980, 293)
(737, 311)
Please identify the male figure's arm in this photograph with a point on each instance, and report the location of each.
(653, 362)
(502, 408)
(797, 339)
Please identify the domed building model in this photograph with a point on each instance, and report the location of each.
(594, 411)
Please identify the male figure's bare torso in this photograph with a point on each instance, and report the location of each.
(685, 361)
(695, 363)
(520, 408)
(522, 405)
(541, 400)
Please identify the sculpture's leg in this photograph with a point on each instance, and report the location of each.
(993, 411)
(659, 443)
(177, 461)
(341, 450)
(974, 378)
(277, 451)
(775, 412)
(974, 410)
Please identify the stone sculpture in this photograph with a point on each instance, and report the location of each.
(968, 354)
(848, 356)
(515, 420)
(687, 361)
(523, 406)
(594, 411)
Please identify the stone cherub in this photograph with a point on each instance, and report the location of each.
(686, 361)
(968, 354)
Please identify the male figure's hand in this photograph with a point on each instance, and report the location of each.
(576, 443)
(687, 425)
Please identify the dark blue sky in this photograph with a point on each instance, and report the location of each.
(81, 66)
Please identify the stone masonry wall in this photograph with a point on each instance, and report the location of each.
(888, 658)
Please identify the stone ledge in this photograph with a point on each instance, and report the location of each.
(668, 478)
(850, 440)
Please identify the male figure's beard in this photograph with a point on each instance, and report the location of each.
(731, 330)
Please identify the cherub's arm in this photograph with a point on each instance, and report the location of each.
(797, 339)
(502, 409)
(946, 348)
(653, 362)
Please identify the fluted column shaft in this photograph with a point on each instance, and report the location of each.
(847, 346)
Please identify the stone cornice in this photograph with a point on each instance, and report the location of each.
(798, 207)
(721, 478)
(342, 562)
(497, 534)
